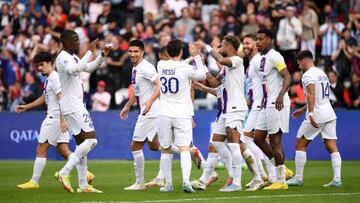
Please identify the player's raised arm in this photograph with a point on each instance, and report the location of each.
(38, 102)
(203, 88)
(217, 56)
(200, 72)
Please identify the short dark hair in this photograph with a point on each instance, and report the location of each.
(345, 29)
(163, 50)
(306, 54)
(137, 43)
(67, 35)
(266, 32)
(174, 47)
(233, 40)
(43, 56)
(252, 36)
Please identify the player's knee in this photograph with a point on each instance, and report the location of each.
(153, 147)
(63, 150)
(92, 142)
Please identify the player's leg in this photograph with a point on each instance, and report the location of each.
(66, 153)
(159, 181)
(209, 175)
(183, 138)
(257, 182)
(249, 141)
(166, 140)
(300, 161)
(39, 165)
(81, 126)
(233, 139)
(305, 135)
(329, 135)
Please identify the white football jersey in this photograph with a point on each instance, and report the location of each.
(142, 78)
(323, 110)
(52, 87)
(175, 79)
(221, 101)
(255, 88)
(233, 79)
(72, 99)
(268, 67)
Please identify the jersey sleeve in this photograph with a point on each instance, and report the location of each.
(150, 73)
(55, 84)
(194, 73)
(307, 79)
(279, 62)
(236, 61)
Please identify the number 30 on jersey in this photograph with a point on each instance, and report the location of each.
(170, 85)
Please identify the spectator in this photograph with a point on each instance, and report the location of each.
(354, 91)
(342, 60)
(106, 21)
(31, 90)
(206, 8)
(297, 95)
(287, 37)
(101, 99)
(186, 21)
(336, 90)
(310, 25)
(5, 17)
(231, 26)
(177, 6)
(330, 33)
(251, 27)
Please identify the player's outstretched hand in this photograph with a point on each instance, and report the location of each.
(94, 45)
(124, 113)
(279, 103)
(298, 113)
(63, 125)
(20, 108)
(313, 123)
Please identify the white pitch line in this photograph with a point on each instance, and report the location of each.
(238, 197)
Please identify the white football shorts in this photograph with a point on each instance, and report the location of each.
(326, 130)
(79, 121)
(50, 131)
(145, 128)
(272, 120)
(176, 131)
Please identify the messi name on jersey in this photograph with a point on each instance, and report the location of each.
(168, 71)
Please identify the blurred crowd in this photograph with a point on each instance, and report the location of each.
(330, 29)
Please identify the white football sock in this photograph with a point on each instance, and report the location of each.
(225, 156)
(81, 151)
(236, 160)
(280, 173)
(256, 151)
(166, 167)
(139, 164)
(39, 166)
(270, 169)
(300, 161)
(160, 174)
(82, 172)
(185, 160)
(209, 167)
(252, 164)
(336, 165)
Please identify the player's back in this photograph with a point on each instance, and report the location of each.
(72, 99)
(175, 79)
(51, 88)
(323, 109)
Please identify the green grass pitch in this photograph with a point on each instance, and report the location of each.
(113, 176)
